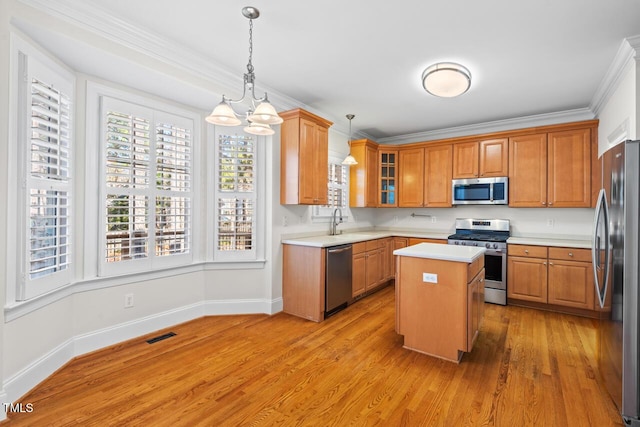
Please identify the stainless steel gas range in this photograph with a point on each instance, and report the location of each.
(493, 235)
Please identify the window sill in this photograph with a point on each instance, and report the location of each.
(18, 309)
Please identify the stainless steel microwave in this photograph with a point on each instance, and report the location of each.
(480, 191)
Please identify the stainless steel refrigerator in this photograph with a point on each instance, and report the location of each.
(615, 262)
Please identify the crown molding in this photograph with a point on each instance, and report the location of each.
(628, 53)
(91, 18)
(494, 126)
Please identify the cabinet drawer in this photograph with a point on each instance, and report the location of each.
(359, 247)
(374, 244)
(570, 254)
(527, 251)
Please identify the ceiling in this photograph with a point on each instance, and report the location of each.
(366, 57)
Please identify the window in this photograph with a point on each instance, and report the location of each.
(338, 192)
(235, 196)
(147, 187)
(45, 141)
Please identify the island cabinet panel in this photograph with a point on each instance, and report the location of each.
(416, 240)
(303, 277)
(434, 317)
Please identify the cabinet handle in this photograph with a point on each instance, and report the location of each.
(551, 264)
(526, 251)
(544, 263)
(550, 203)
(570, 253)
(544, 203)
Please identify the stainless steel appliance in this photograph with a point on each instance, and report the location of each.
(493, 235)
(338, 279)
(480, 191)
(615, 264)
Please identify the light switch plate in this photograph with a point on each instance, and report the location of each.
(429, 278)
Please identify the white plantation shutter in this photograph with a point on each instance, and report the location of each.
(147, 187)
(45, 135)
(236, 200)
(337, 192)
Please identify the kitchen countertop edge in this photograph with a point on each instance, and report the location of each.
(436, 251)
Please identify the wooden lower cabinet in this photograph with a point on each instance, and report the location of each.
(527, 279)
(563, 278)
(371, 265)
(303, 288)
(416, 240)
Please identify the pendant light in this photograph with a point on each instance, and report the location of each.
(350, 160)
(260, 117)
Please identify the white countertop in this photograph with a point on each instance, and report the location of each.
(549, 241)
(323, 241)
(465, 254)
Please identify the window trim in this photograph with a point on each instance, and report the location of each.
(27, 60)
(236, 257)
(94, 265)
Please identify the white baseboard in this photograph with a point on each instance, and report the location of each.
(21, 382)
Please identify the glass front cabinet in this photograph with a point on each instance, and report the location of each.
(387, 178)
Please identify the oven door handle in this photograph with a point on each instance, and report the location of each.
(494, 252)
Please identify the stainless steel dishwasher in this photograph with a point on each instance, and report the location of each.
(338, 279)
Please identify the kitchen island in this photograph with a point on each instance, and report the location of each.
(439, 298)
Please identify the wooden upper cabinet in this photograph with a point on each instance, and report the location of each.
(411, 177)
(494, 157)
(487, 158)
(437, 176)
(551, 170)
(465, 160)
(304, 158)
(363, 177)
(569, 169)
(387, 178)
(528, 171)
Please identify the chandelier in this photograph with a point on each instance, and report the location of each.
(260, 117)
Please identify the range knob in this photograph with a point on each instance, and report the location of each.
(456, 243)
(487, 245)
(495, 246)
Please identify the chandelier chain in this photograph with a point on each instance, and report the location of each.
(250, 65)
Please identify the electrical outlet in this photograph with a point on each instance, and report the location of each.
(549, 222)
(434, 219)
(285, 221)
(395, 218)
(128, 301)
(429, 278)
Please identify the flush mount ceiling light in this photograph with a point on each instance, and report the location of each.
(446, 79)
(350, 160)
(259, 118)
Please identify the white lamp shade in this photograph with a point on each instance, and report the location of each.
(259, 129)
(265, 114)
(349, 160)
(223, 115)
(446, 79)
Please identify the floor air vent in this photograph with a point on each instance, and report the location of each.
(160, 338)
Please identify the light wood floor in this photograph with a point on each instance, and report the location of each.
(528, 368)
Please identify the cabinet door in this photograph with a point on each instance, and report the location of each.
(374, 269)
(363, 177)
(313, 167)
(372, 177)
(569, 169)
(465, 160)
(494, 157)
(528, 171)
(437, 176)
(358, 274)
(411, 178)
(527, 279)
(571, 284)
(387, 178)
(388, 259)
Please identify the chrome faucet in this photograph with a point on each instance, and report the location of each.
(335, 222)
